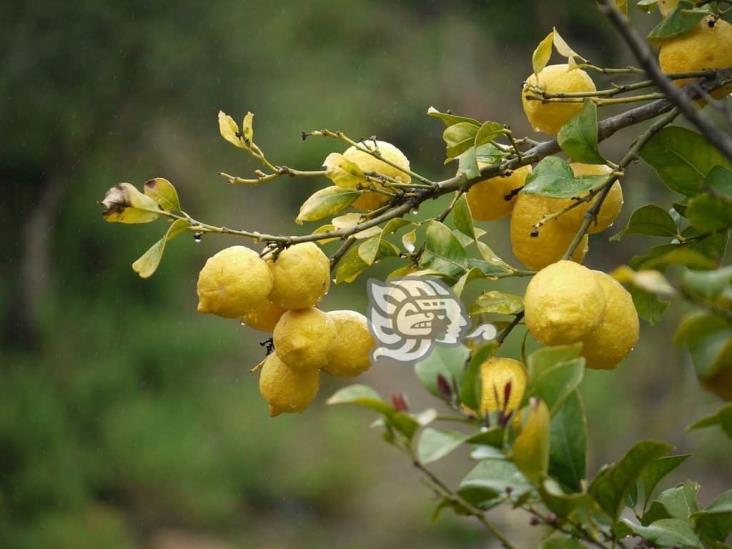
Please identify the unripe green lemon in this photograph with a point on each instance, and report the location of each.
(616, 335)
(563, 303)
(552, 240)
(301, 276)
(349, 354)
(233, 282)
(286, 389)
(264, 317)
(487, 199)
(550, 117)
(609, 210)
(500, 376)
(302, 338)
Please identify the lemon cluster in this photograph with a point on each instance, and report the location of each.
(568, 303)
(280, 296)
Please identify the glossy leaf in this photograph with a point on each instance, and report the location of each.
(578, 137)
(363, 396)
(722, 418)
(709, 340)
(553, 177)
(163, 193)
(443, 252)
(555, 383)
(471, 385)
(568, 446)
(485, 485)
(462, 218)
(680, 21)
(487, 132)
(652, 475)
(649, 306)
(444, 360)
(450, 119)
(434, 444)
(649, 220)
(714, 522)
(666, 533)
(326, 203)
(148, 263)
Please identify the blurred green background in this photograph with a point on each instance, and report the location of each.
(126, 419)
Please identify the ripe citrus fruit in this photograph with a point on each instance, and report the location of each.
(563, 303)
(301, 276)
(370, 164)
(349, 353)
(302, 338)
(487, 199)
(609, 211)
(264, 317)
(552, 240)
(285, 389)
(550, 117)
(233, 282)
(616, 335)
(707, 46)
(501, 377)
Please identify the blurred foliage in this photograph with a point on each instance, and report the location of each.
(120, 411)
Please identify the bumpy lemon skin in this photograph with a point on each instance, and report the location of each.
(487, 199)
(552, 240)
(550, 117)
(496, 373)
(285, 389)
(302, 338)
(349, 354)
(264, 317)
(563, 303)
(233, 282)
(368, 163)
(301, 276)
(609, 211)
(703, 48)
(616, 335)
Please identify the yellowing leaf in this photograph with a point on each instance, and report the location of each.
(564, 50)
(123, 203)
(148, 262)
(542, 53)
(229, 130)
(531, 447)
(163, 193)
(342, 171)
(247, 127)
(325, 203)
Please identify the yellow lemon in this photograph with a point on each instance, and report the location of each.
(488, 199)
(616, 335)
(349, 353)
(609, 210)
(286, 389)
(233, 282)
(550, 117)
(708, 46)
(302, 338)
(264, 317)
(301, 276)
(530, 450)
(550, 242)
(499, 377)
(563, 303)
(370, 164)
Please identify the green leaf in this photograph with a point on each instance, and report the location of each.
(553, 177)
(442, 251)
(709, 213)
(468, 164)
(462, 218)
(578, 137)
(649, 220)
(163, 193)
(647, 5)
(680, 501)
(487, 132)
(352, 264)
(650, 307)
(123, 203)
(445, 360)
(555, 383)
(722, 417)
(707, 284)
(434, 444)
(560, 541)
(493, 301)
(363, 396)
(450, 119)
(326, 203)
(666, 533)
(652, 475)
(562, 504)
(459, 137)
(568, 446)
(709, 340)
(486, 485)
(472, 274)
(714, 522)
(611, 486)
(680, 21)
(682, 158)
(471, 385)
(542, 53)
(148, 263)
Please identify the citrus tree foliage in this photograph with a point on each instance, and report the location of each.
(522, 418)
